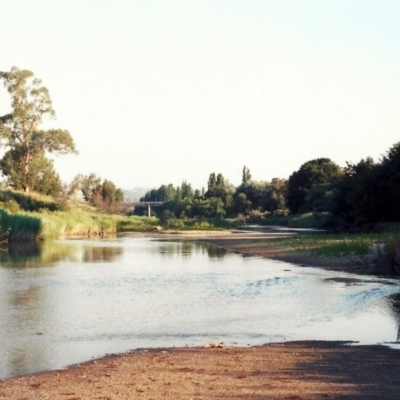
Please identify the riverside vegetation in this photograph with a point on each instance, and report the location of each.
(34, 205)
(32, 217)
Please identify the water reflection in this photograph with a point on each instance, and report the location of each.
(67, 301)
(173, 248)
(36, 254)
(46, 254)
(102, 254)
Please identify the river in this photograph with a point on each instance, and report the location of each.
(68, 301)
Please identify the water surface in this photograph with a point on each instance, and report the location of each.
(68, 301)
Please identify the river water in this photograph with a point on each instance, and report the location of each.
(68, 301)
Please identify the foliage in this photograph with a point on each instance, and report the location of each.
(389, 182)
(369, 192)
(137, 224)
(41, 174)
(246, 175)
(267, 197)
(25, 164)
(321, 171)
(310, 220)
(45, 224)
(355, 199)
(102, 195)
(169, 193)
(27, 202)
(200, 224)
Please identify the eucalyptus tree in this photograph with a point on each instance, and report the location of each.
(20, 131)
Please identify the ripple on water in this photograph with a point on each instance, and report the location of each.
(111, 296)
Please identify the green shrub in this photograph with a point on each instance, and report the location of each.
(136, 223)
(28, 201)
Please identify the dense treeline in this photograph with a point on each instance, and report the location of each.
(354, 197)
(221, 199)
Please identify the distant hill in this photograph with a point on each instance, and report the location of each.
(132, 195)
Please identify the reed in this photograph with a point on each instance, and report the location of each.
(75, 223)
(18, 227)
(23, 226)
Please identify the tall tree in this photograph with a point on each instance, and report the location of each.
(41, 176)
(315, 172)
(89, 185)
(390, 183)
(110, 193)
(355, 202)
(20, 129)
(246, 175)
(212, 181)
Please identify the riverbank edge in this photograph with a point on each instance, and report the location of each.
(291, 370)
(255, 244)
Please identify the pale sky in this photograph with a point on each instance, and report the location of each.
(157, 92)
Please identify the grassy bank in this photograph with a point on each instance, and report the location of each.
(333, 244)
(308, 220)
(379, 250)
(45, 224)
(24, 226)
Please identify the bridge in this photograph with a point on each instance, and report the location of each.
(148, 204)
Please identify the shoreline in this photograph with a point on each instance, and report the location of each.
(253, 243)
(288, 370)
(291, 370)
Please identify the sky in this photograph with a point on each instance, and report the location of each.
(159, 92)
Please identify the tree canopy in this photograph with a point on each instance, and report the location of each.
(102, 195)
(25, 163)
(320, 171)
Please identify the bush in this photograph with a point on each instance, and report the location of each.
(28, 201)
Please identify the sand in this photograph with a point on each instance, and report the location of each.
(298, 370)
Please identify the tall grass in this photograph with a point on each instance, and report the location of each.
(18, 227)
(75, 223)
(23, 226)
(382, 245)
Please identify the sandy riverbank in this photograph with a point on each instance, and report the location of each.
(299, 370)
